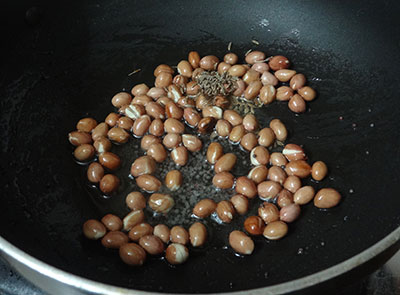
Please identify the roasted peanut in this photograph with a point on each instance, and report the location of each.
(304, 195)
(125, 123)
(192, 142)
(259, 156)
(225, 163)
(268, 189)
(268, 78)
(268, 212)
(139, 89)
(101, 130)
(197, 234)
(250, 123)
(275, 230)
(223, 128)
(279, 129)
(131, 219)
(191, 116)
(289, 213)
(297, 104)
(173, 110)
(95, 172)
(148, 183)
(140, 230)
(155, 110)
(297, 81)
(132, 254)
(114, 240)
(240, 203)
(109, 160)
(246, 187)
(176, 253)
(120, 99)
(223, 67)
(253, 89)
(86, 124)
(162, 231)
(260, 67)
(206, 125)
(251, 76)
(172, 140)
(254, 57)
(258, 174)
(185, 69)
(240, 87)
(284, 93)
(94, 229)
(267, 94)
(237, 134)
(155, 93)
(109, 183)
(135, 201)
(212, 111)
(173, 180)
(77, 138)
(254, 225)
(112, 119)
(277, 174)
(84, 152)
(214, 152)
(163, 79)
(319, 170)
(231, 58)
(237, 71)
(278, 62)
(327, 198)
(118, 135)
(292, 183)
(157, 152)
(284, 198)
(143, 165)
(152, 244)
(142, 100)
(135, 111)
(225, 211)
(241, 243)
(298, 168)
(249, 141)
(204, 208)
(161, 203)
(266, 137)
(277, 159)
(194, 59)
(307, 93)
(156, 128)
(284, 75)
(223, 180)
(209, 63)
(222, 102)
(148, 140)
(141, 125)
(179, 235)
(179, 155)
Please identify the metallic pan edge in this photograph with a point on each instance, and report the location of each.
(43, 273)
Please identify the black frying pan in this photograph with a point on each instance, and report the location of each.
(68, 60)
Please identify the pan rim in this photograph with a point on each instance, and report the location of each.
(93, 287)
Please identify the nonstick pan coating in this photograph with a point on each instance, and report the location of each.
(70, 63)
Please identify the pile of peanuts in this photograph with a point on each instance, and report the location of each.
(134, 237)
(158, 116)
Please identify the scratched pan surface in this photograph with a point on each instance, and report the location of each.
(71, 63)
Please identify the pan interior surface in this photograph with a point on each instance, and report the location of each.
(70, 64)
